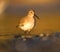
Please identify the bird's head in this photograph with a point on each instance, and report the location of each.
(32, 13)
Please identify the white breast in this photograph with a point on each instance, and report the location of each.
(28, 24)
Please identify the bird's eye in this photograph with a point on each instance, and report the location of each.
(31, 12)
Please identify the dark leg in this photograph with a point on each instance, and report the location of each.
(26, 33)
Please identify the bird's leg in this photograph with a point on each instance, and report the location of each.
(26, 33)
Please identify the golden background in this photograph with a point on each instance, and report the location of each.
(47, 10)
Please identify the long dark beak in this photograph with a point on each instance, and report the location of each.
(36, 16)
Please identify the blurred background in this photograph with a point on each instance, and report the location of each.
(46, 34)
(11, 11)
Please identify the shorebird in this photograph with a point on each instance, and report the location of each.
(28, 22)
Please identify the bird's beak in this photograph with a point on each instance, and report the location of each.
(36, 16)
